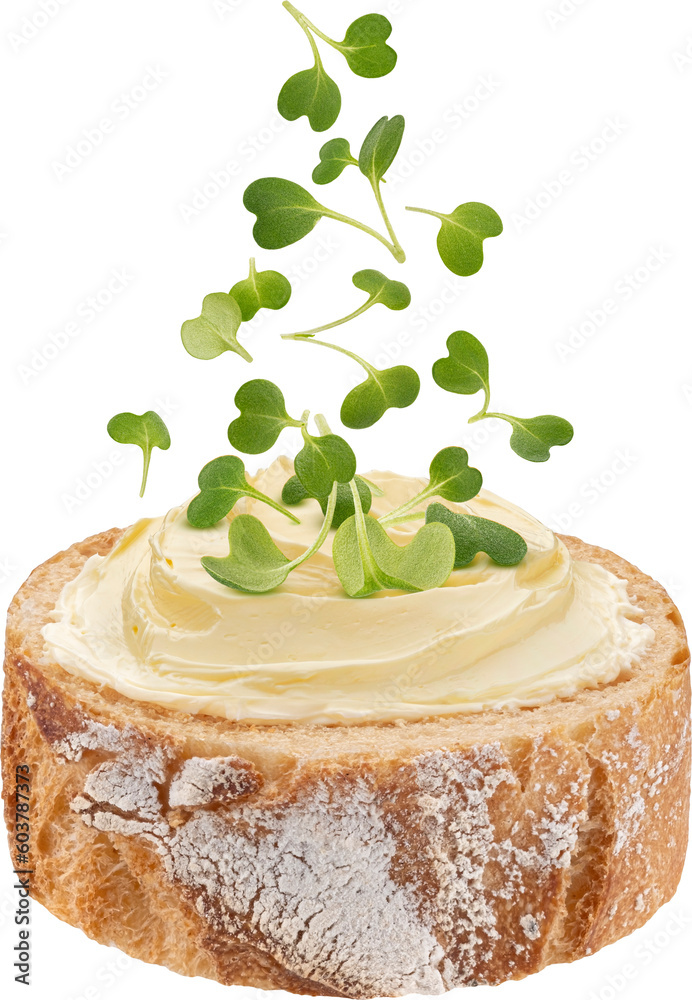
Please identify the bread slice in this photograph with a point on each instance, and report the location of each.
(354, 861)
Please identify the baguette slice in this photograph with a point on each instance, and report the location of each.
(355, 861)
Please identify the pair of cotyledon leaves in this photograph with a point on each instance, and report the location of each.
(286, 213)
(376, 156)
(146, 430)
(466, 371)
(312, 92)
(215, 330)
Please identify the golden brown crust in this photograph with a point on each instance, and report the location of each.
(352, 861)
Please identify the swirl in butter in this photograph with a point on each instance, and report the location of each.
(148, 621)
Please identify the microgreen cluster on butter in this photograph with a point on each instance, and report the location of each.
(148, 621)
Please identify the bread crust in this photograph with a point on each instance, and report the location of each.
(356, 861)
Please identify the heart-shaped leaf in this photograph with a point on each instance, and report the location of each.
(294, 493)
(380, 147)
(533, 438)
(262, 417)
(222, 483)
(214, 330)
(380, 288)
(285, 211)
(146, 430)
(365, 46)
(478, 534)
(451, 476)
(335, 156)
(460, 240)
(260, 290)
(323, 461)
(311, 93)
(368, 401)
(254, 564)
(367, 560)
(466, 369)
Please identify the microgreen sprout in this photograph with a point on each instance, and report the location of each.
(376, 156)
(255, 564)
(214, 330)
(392, 294)
(466, 371)
(260, 290)
(383, 389)
(294, 493)
(451, 478)
(286, 212)
(460, 240)
(222, 483)
(324, 460)
(335, 156)
(146, 430)
(367, 560)
(262, 417)
(478, 534)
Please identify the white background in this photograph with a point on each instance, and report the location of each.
(501, 99)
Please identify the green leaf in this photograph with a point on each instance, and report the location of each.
(214, 330)
(533, 438)
(367, 560)
(368, 401)
(222, 483)
(451, 476)
(146, 430)
(335, 156)
(285, 212)
(262, 417)
(380, 147)
(260, 290)
(322, 461)
(311, 93)
(294, 493)
(478, 534)
(254, 564)
(365, 46)
(380, 288)
(460, 240)
(466, 369)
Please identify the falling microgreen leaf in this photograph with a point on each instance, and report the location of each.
(260, 290)
(451, 478)
(478, 534)
(367, 560)
(146, 430)
(533, 437)
(383, 389)
(385, 291)
(294, 493)
(335, 156)
(262, 417)
(376, 156)
(460, 240)
(323, 461)
(286, 212)
(466, 370)
(214, 330)
(311, 92)
(364, 46)
(255, 564)
(222, 483)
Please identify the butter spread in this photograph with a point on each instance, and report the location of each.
(149, 622)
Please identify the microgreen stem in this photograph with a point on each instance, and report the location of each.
(273, 503)
(362, 536)
(322, 425)
(394, 248)
(485, 412)
(400, 254)
(373, 487)
(308, 339)
(425, 211)
(330, 326)
(402, 513)
(145, 473)
(308, 25)
(321, 538)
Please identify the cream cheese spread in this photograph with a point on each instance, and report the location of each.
(149, 622)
